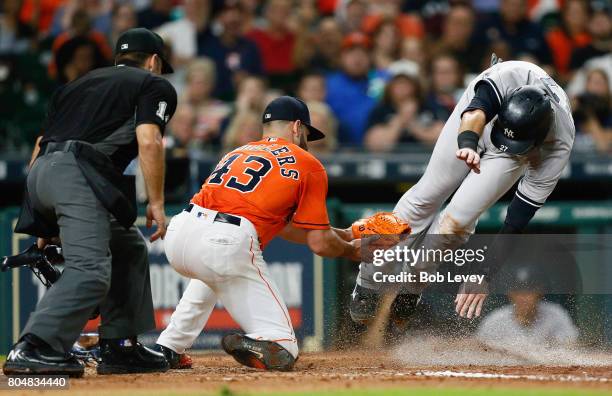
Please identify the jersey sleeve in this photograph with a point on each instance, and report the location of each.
(485, 99)
(542, 175)
(311, 210)
(156, 103)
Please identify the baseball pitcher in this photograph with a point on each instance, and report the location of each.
(258, 191)
(513, 122)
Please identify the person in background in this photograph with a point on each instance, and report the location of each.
(156, 14)
(182, 130)
(409, 25)
(351, 15)
(77, 57)
(386, 41)
(529, 322)
(80, 27)
(244, 127)
(38, 14)
(209, 111)
(396, 119)
(348, 89)
(312, 88)
(446, 86)
(457, 40)
(600, 28)
(276, 43)
(320, 51)
(413, 49)
(183, 34)
(235, 55)
(252, 96)
(322, 118)
(593, 110)
(15, 36)
(571, 33)
(124, 18)
(513, 26)
(98, 12)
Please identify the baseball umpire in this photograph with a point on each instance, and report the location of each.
(512, 123)
(76, 190)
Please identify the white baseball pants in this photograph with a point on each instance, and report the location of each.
(225, 263)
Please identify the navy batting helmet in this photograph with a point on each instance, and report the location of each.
(523, 120)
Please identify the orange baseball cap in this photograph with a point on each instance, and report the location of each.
(356, 39)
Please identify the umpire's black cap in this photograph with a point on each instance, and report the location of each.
(288, 108)
(143, 40)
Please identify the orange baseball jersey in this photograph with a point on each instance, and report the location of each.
(270, 182)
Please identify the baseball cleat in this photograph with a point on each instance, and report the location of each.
(364, 304)
(128, 356)
(27, 359)
(266, 355)
(177, 361)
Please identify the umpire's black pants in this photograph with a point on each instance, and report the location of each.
(105, 264)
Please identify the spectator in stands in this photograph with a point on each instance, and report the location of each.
(235, 56)
(80, 27)
(155, 15)
(244, 127)
(409, 25)
(322, 118)
(321, 51)
(529, 324)
(348, 89)
(15, 36)
(512, 25)
(413, 49)
(446, 86)
(183, 34)
(181, 130)
(39, 14)
(98, 11)
(386, 41)
(600, 27)
(396, 119)
(593, 110)
(312, 87)
(209, 111)
(351, 14)
(77, 57)
(457, 40)
(572, 33)
(276, 43)
(252, 96)
(124, 18)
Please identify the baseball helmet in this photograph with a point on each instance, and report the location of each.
(523, 121)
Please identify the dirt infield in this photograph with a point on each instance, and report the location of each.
(219, 374)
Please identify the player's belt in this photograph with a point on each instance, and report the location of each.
(220, 217)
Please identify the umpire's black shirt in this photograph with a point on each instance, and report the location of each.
(105, 106)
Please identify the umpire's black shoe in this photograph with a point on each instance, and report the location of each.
(265, 355)
(363, 306)
(128, 356)
(27, 359)
(177, 361)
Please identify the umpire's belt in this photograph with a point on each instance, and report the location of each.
(220, 217)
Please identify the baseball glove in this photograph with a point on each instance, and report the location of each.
(381, 223)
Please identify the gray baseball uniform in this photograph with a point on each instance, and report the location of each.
(540, 168)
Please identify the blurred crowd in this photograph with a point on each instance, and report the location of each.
(377, 75)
